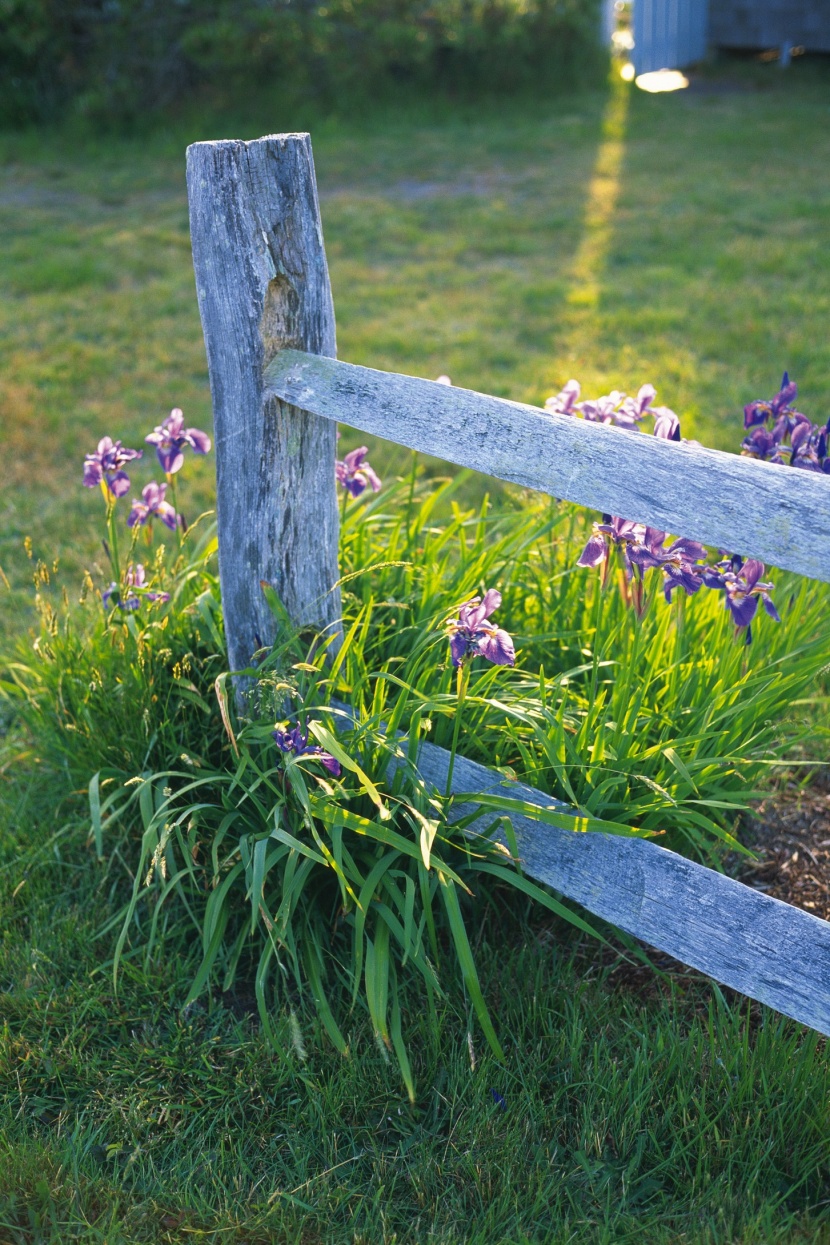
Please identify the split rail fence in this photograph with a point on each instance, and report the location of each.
(278, 393)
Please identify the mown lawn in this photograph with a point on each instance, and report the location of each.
(625, 1113)
(614, 237)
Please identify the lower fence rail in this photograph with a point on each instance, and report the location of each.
(766, 949)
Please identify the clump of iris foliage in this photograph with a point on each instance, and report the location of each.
(291, 832)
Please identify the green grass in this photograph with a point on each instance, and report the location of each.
(630, 1109)
(634, 1111)
(631, 1114)
(452, 238)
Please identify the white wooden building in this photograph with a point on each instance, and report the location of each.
(672, 34)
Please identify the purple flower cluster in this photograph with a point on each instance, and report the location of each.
(135, 590)
(683, 563)
(644, 548)
(777, 433)
(618, 409)
(355, 474)
(639, 547)
(295, 742)
(471, 634)
(106, 466)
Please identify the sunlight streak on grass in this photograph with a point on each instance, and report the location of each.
(585, 278)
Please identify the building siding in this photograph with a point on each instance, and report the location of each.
(669, 34)
(769, 23)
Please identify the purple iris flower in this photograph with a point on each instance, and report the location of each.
(471, 634)
(680, 564)
(763, 444)
(565, 402)
(666, 423)
(803, 443)
(742, 584)
(715, 576)
(757, 412)
(760, 410)
(170, 439)
(355, 474)
(635, 409)
(809, 447)
(296, 742)
(604, 410)
(153, 506)
(106, 466)
(685, 575)
(787, 422)
(645, 548)
(649, 550)
(613, 532)
(134, 591)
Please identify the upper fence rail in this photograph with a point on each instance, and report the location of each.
(777, 514)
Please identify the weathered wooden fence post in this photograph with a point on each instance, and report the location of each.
(263, 284)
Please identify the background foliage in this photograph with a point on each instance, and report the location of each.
(117, 60)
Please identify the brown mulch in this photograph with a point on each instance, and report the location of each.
(790, 835)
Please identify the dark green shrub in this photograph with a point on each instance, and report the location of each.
(115, 61)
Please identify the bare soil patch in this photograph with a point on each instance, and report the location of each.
(790, 836)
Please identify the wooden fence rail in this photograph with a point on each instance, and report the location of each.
(767, 949)
(762, 510)
(277, 389)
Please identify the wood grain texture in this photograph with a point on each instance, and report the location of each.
(778, 514)
(767, 949)
(263, 284)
